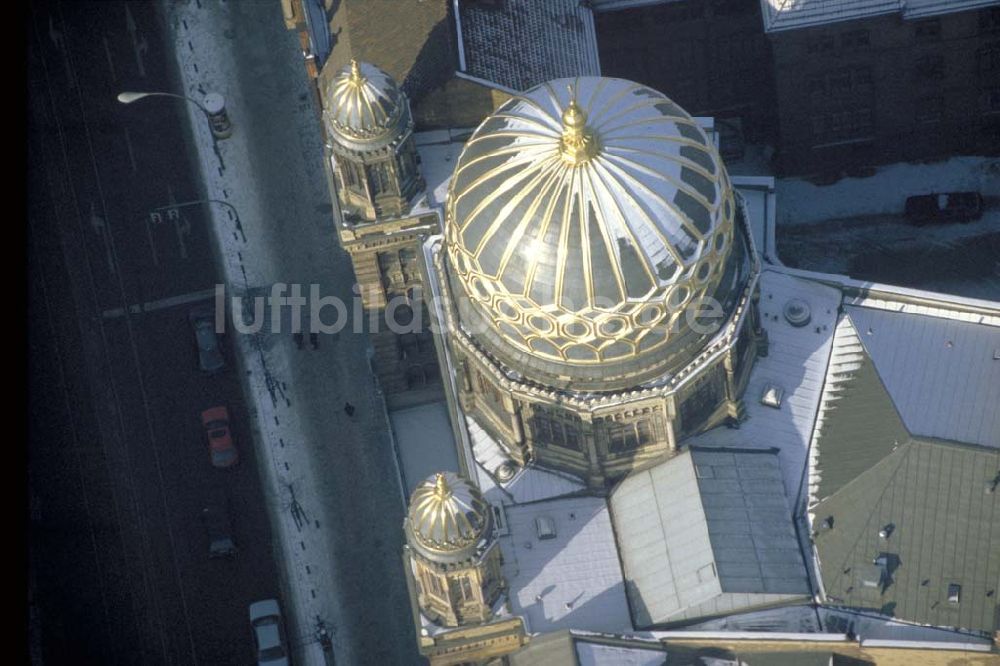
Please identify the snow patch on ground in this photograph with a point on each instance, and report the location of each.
(801, 202)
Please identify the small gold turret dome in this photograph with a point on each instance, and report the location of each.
(364, 109)
(448, 518)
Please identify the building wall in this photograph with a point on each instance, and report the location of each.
(709, 56)
(885, 89)
(603, 438)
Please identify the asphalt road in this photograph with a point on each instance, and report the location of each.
(118, 465)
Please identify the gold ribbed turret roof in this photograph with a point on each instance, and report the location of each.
(364, 104)
(448, 514)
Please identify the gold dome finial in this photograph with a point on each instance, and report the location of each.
(441, 489)
(578, 143)
(356, 72)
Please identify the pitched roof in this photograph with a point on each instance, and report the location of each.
(572, 579)
(858, 424)
(522, 43)
(945, 527)
(704, 533)
(942, 374)
(790, 14)
(928, 507)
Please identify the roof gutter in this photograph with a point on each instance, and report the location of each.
(458, 32)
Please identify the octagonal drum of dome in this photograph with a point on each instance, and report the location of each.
(583, 217)
(364, 109)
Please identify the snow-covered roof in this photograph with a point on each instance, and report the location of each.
(791, 14)
(943, 374)
(528, 484)
(571, 580)
(796, 363)
(424, 441)
(522, 43)
(596, 654)
(707, 532)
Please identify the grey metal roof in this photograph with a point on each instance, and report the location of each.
(791, 14)
(552, 649)
(705, 533)
(572, 580)
(521, 43)
(937, 501)
(945, 530)
(856, 415)
(942, 374)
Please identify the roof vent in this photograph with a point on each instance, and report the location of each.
(545, 528)
(772, 395)
(954, 593)
(996, 354)
(797, 312)
(504, 472)
(871, 575)
(886, 531)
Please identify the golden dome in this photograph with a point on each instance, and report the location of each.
(364, 109)
(583, 217)
(448, 517)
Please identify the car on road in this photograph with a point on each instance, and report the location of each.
(218, 527)
(223, 452)
(945, 207)
(210, 357)
(268, 633)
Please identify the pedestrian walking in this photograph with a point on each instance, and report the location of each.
(349, 409)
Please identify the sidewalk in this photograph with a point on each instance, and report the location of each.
(332, 481)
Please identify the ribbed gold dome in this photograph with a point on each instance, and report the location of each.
(364, 106)
(583, 216)
(448, 516)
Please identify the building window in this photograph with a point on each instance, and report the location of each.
(991, 100)
(989, 19)
(467, 589)
(855, 39)
(492, 395)
(930, 110)
(702, 401)
(839, 84)
(928, 29)
(821, 44)
(842, 125)
(624, 437)
(557, 430)
(378, 179)
(988, 60)
(930, 67)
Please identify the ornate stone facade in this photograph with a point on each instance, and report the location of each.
(601, 370)
(453, 554)
(371, 152)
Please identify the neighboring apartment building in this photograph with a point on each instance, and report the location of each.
(832, 85)
(709, 56)
(871, 82)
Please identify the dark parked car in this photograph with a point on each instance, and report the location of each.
(209, 350)
(218, 527)
(268, 633)
(946, 207)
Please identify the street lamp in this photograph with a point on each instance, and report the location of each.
(213, 106)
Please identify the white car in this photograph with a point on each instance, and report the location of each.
(268, 633)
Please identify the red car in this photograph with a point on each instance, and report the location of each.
(220, 440)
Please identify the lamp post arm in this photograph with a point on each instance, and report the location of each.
(129, 97)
